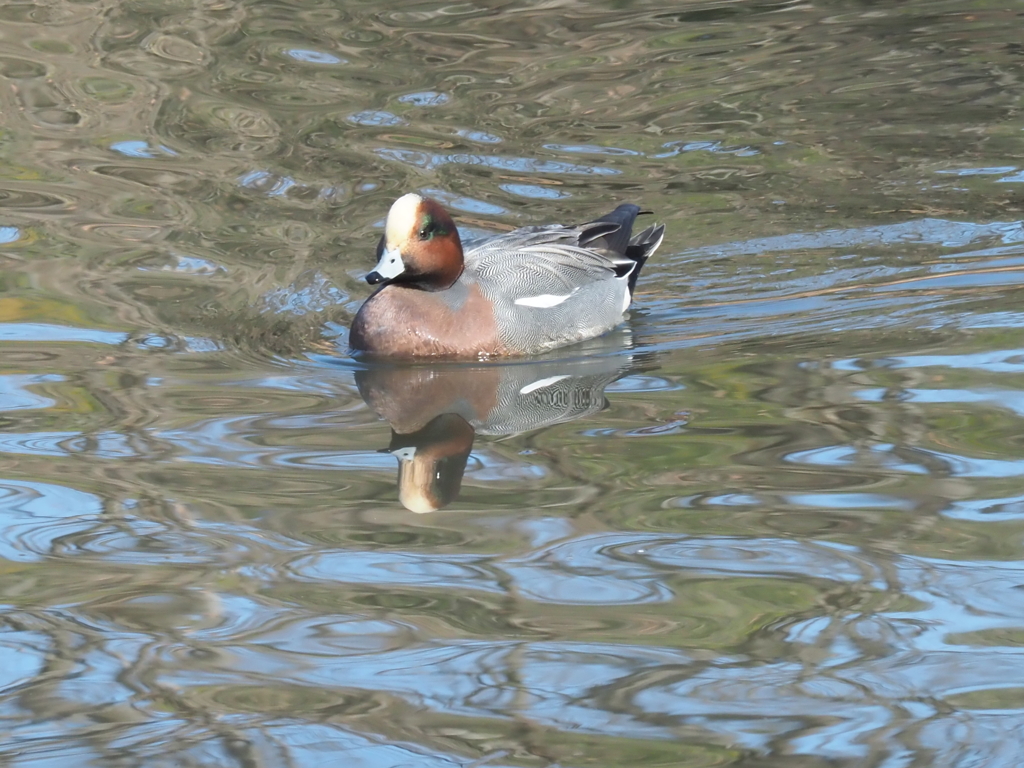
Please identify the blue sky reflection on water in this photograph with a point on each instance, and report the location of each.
(45, 332)
(949, 234)
(38, 514)
(16, 396)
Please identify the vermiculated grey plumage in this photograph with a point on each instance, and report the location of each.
(592, 265)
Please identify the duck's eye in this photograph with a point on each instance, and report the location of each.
(428, 228)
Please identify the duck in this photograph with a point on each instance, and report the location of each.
(521, 293)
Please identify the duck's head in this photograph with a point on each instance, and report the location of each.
(420, 246)
(432, 461)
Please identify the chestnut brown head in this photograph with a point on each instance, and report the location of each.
(420, 247)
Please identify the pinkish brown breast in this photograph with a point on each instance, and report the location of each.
(406, 322)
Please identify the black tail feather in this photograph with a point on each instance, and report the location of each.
(615, 240)
(640, 249)
(612, 233)
(596, 233)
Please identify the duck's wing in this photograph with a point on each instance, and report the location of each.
(548, 295)
(542, 268)
(568, 255)
(595, 245)
(600, 235)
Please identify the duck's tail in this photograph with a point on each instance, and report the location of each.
(640, 249)
(612, 233)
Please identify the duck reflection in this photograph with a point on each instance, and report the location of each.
(435, 412)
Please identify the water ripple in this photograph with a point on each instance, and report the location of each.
(562, 682)
(14, 396)
(46, 332)
(602, 569)
(399, 568)
(39, 515)
(430, 161)
(814, 554)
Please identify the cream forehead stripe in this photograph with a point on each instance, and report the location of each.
(402, 219)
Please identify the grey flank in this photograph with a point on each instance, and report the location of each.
(593, 265)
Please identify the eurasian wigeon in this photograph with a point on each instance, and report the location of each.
(520, 293)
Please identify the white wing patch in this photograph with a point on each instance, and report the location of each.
(544, 301)
(542, 383)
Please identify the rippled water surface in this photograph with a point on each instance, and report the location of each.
(776, 519)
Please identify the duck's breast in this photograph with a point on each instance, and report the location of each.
(407, 322)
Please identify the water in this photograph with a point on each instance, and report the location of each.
(776, 519)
